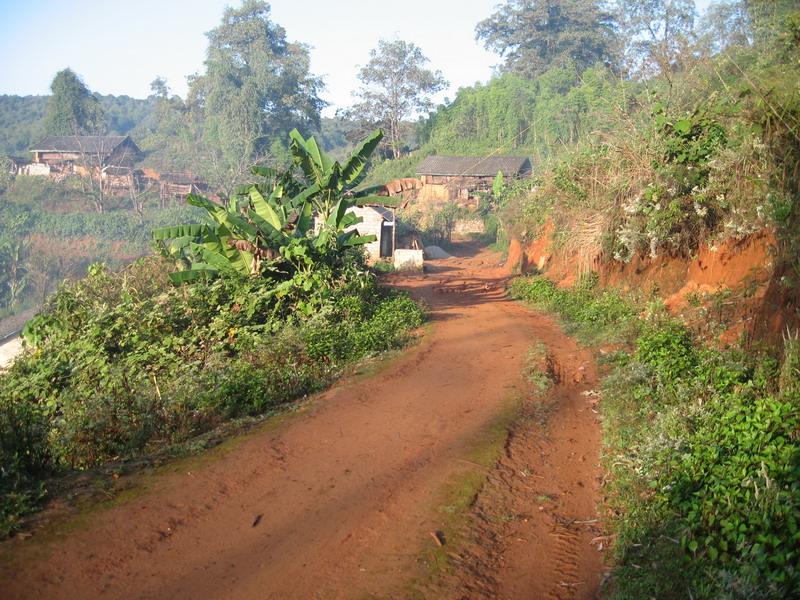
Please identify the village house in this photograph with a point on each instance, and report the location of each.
(460, 177)
(177, 186)
(66, 154)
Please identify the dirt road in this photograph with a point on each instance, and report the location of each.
(340, 500)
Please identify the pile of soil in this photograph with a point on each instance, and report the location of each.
(436, 253)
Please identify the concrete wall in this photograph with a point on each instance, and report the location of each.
(408, 260)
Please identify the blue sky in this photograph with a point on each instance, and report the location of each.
(119, 47)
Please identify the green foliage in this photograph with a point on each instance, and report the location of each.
(710, 459)
(256, 85)
(20, 122)
(498, 185)
(535, 36)
(666, 347)
(122, 364)
(521, 115)
(72, 110)
(592, 314)
(690, 142)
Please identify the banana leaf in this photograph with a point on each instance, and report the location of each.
(194, 274)
(308, 156)
(233, 222)
(348, 220)
(264, 210)
(351, 238)
(193, 230)
(221, 261)
(337, 213)
(358, 161)
(305, 220)
(276, 236)
(267, 172)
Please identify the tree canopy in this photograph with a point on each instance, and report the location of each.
(256, 86)
(534, 35)
(396, 85)
(72, 110)
(659, 33)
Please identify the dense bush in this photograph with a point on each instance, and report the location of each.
(703, 448)
(706, 464)
(124, 363)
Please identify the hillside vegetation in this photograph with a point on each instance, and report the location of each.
(701, 439)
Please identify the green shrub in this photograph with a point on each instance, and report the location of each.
(124, 363)
(591, 314)
(706, 471)
(703, 450)
(666, 347)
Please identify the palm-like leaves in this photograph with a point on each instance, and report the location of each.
(269, 225)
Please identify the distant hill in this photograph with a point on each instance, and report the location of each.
(21, 118)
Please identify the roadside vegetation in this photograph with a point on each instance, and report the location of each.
(701, 450)
(242, 313)
(701, 443)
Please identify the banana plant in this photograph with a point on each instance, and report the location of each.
(269, 227)
(238, 240)
(334, 182)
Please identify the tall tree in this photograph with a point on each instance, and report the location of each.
(534, 35)
(72, 109)
(659, 34)
(172, 133)
(725, 24)
(395, 86)
(256, 86)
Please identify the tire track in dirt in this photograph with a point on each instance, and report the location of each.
(339, 501)
(534, 522)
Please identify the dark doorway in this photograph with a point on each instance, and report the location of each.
(386, 240)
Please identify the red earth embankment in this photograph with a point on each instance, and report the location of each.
(739, 279)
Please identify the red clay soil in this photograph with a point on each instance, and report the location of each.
(535, 530)
(762, 307)
(340, 500)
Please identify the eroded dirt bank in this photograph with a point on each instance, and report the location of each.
(340, 501)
